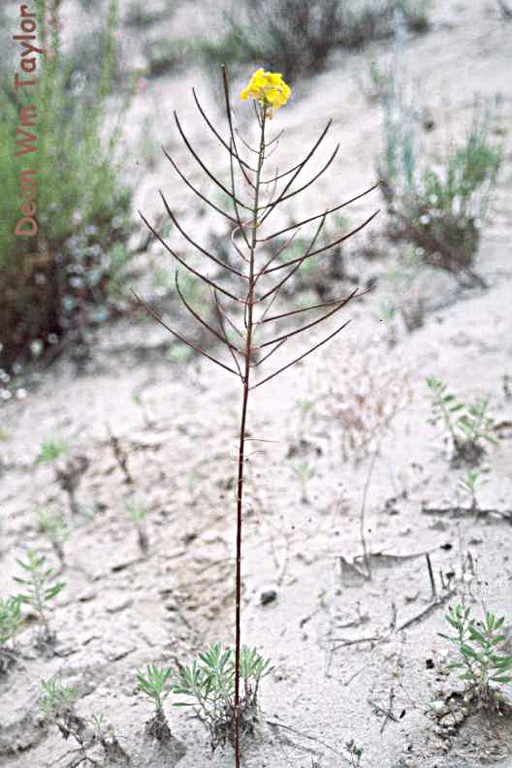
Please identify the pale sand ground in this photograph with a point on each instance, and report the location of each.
(119, 611)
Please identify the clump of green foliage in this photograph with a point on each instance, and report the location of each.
(154, 682)
(441, 208)
(478, 643)
(209, 687)
(446, 210)
(52, 449)
(10, 623)
(304, 472)
(468, 486)
(10, 618)
(83, 204)
(469, 428)
(138, 515)
(355, 753)
(51, 524)
(296, 36)
(57, 699)
(41, 590)
(90, 735)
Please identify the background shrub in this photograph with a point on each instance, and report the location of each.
(440, 208)
(296, 36)
(83, 206)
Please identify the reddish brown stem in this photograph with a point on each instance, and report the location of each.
(241, 444)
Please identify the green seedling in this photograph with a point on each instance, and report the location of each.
(138, 515)
(304, 406)
(481, 665)
(468, 486)
(57, 698)
(58, 705)
(468, 427)
(304, 473)
(52, 449)
(52, 526)
(41, 590)
(10, 622)
(105, 735)
(10, 618)
(355, 753)
(208, 684)
(154, 682)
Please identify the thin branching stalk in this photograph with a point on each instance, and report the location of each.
(243, 293)
(243, 420)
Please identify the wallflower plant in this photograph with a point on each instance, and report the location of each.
(244, 289)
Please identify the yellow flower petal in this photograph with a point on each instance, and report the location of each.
(268, 88)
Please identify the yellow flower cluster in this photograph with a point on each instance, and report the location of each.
(268, 88)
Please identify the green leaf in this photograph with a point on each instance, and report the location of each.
(466, 650)
(477, 635)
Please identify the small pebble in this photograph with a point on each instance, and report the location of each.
(268, 596)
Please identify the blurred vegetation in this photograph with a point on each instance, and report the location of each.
(439, 207)
(295, 37)
(83, 204)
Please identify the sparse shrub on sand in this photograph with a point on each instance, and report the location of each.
(297, 36)
(439, 207)
(444, 212)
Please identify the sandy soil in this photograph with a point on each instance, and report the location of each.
(346, 648)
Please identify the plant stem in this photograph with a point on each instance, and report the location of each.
(38, 587)
(242, 437)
